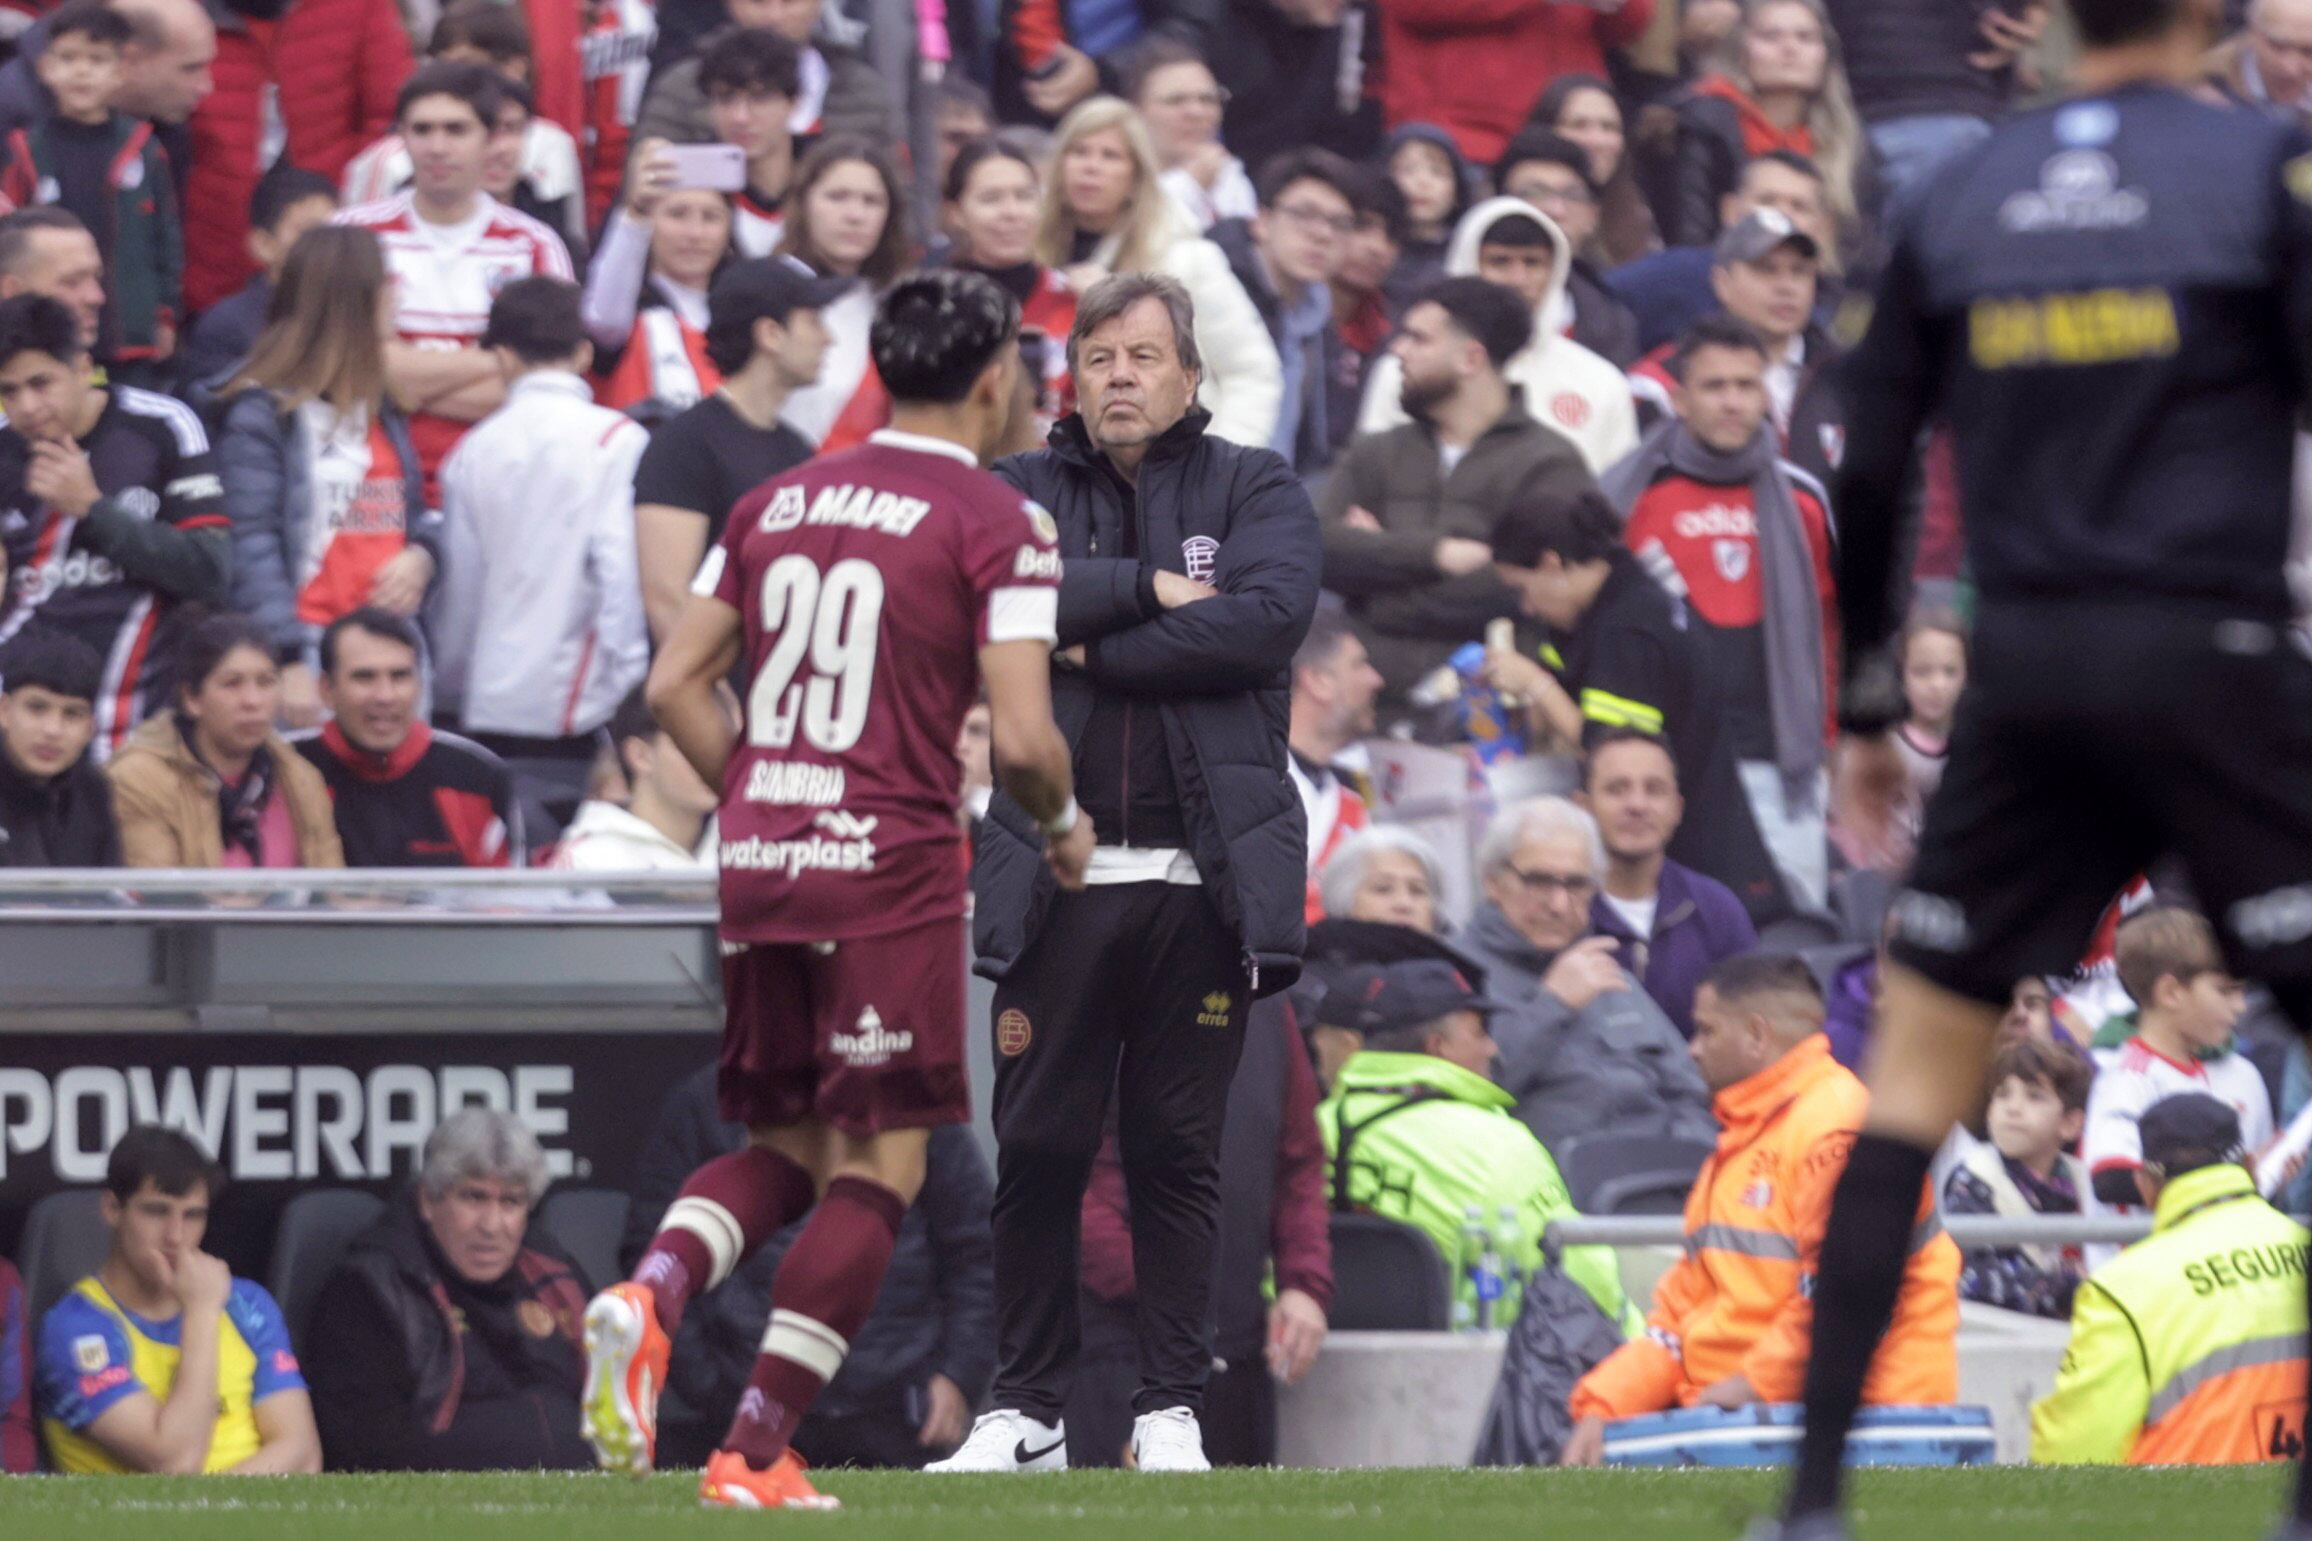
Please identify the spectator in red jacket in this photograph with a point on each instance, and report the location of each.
(339, 64)
(1273, 1216)
(1475, 66)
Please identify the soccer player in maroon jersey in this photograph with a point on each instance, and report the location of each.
(868, 593)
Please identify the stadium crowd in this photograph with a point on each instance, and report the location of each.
(377, 375)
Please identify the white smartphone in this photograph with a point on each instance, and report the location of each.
(714, 168)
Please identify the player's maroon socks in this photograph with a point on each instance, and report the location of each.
(825, 1288)
(1860, 1273)
(730, 1207)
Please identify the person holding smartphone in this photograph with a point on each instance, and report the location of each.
(646, 297)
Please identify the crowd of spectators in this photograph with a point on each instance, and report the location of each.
(376, 377)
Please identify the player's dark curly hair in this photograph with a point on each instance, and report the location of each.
(935, 333)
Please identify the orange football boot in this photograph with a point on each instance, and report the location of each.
(730, 1483)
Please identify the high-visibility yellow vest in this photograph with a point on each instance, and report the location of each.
(2189, 1347)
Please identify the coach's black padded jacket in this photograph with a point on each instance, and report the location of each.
(1219, 673)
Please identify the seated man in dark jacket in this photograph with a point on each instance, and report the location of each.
(55, 806)
(448, 1339)
(917, 1369)
(1670, 924)
(1583, 1049)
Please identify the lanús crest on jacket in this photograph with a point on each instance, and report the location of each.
(1201, 554)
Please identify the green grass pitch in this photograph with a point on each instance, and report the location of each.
(1968, 1505)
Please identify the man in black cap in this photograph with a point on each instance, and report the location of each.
(763, 332)
(2187, 1348)
(1415, 1131)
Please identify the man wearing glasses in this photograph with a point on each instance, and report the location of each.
(1582, 1048)
(1287, 256)
(2269, 63)
(1615, 650)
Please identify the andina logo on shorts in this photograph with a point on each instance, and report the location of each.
(871, 1043)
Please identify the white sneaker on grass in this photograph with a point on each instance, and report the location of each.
(1008, 1441)
(1170, 1440)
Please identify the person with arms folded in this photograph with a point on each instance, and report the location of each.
(1175, 698)
(161, 1360)
(451, 249)
(843, 972)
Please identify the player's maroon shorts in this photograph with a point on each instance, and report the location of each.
(866, 1035)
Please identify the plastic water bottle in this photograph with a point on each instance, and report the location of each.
(1485, 1278)
(1511, 1238)
(1467, 1267)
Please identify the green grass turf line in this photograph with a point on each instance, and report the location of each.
(1972, 1505)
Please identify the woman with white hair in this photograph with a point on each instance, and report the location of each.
(1105, 211)
(1386, 873)
(448, 1339)
(1585, 1050)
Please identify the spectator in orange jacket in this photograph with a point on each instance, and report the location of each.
(1732, 1321)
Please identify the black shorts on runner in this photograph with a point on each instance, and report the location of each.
(2094, 738)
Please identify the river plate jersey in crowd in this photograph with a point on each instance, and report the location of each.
(148, 452)
(867, 581)
(2111, 300)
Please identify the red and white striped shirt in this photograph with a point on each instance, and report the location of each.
(446, 277)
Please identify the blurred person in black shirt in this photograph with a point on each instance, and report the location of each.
(2110, 304)
(763, 332)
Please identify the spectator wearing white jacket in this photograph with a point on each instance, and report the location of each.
(1105, 211)
(539, 627)
(1567, 387)
(663, 827)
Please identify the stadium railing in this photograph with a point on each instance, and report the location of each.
(1966, 1230)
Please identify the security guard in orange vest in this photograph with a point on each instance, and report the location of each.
(2188, 1348)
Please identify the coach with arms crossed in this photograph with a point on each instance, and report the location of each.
(1191, 575)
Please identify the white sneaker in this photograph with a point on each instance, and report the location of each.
(1008, 1441)
(1168, 1441)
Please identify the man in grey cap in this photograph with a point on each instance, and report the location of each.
(2189, 1347)
(1766, 273)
